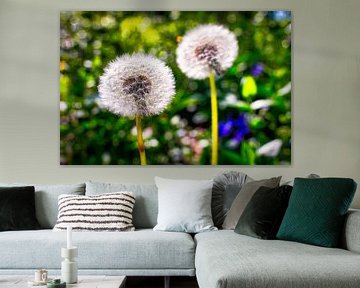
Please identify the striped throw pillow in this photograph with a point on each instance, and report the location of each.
(105, 212)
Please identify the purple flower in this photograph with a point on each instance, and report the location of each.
(225, 128)
(235, 128)
(242, 128)
(257, 69)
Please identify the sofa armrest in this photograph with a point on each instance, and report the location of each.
(351, 234)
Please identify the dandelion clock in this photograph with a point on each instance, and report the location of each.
(206, 49)
(138, 86)
(202, 53)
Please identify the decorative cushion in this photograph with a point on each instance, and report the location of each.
(17, 208)
(226, 186)
(46, 200)
(317, 209)
(243, 198)
(106, 212)
(263, 215)
(184, 205)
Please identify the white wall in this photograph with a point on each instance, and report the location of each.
(326, 91)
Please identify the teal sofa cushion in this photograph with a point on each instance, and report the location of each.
(316, 211)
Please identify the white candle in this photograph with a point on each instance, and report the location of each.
(69, 237)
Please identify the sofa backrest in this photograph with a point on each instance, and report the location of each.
(46, 200)
(146, 203)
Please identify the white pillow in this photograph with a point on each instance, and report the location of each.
(184, 205)
(104, 212)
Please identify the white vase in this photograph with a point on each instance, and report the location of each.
(69, 273)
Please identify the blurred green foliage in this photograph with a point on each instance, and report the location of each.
(256, 90)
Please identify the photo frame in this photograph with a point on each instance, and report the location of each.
(175, 88)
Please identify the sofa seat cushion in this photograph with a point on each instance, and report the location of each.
(141, 249)
(225, 259)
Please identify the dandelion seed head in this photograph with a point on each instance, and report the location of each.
(137, 84)
(206, 48)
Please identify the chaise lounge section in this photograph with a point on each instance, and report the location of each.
(225, 259)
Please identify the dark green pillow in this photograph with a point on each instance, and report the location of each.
(263, 215)
(17, 208)
(316, 211)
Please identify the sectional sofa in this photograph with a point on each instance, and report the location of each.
(219, 259)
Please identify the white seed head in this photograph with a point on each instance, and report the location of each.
(206, 48)
(137, 84)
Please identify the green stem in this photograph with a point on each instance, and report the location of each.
(140, 140)
(214, 120)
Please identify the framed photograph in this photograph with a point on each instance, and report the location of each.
(175, 87)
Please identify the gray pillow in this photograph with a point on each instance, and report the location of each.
(226, 187)
(46, 200)
(146, 206)
(243, 198)
(184, 205)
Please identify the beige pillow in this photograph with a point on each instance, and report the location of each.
(243, 198)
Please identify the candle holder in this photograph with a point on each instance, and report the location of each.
(68, 265)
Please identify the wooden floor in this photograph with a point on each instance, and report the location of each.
(158, 282)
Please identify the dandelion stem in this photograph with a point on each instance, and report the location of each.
(140, 140)
(214, 120)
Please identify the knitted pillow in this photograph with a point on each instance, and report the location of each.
(105, 212)
(317, 210)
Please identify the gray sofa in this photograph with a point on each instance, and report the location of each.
(218, 259)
